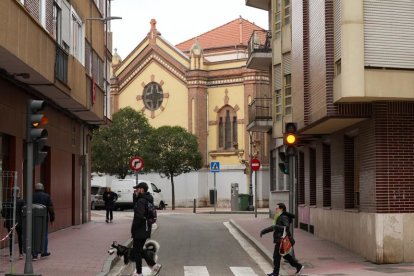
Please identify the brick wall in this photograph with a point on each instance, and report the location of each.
(317, 60)
(300, 71)
(337, 171)
(394, 136)
(319, 174)
(366, 151)
(33, 7)
(326, 175)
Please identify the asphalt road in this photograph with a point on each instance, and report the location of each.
(200, 244)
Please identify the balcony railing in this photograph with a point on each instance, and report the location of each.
(260, 50)
(260, 41)
(61, 64)
(260, 115)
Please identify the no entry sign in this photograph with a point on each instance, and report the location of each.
(255, 164)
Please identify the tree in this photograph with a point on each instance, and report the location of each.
(174, 152)
(114, 145)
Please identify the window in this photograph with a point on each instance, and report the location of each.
(288, 94)
(153, 96)
(88, 59)
(338, 67)
(77, 37)
(278, 105)
(227, 124)
(286, 16)
(57, 23)
(277, 19)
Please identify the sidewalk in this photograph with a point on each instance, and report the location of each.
(78, 250)
(320, 257)
(82, 249)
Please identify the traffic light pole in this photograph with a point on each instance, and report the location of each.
(292, 192)
(28, 267)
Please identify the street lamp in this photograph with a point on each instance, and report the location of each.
(105, 19)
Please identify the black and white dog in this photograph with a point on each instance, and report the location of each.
(151, 247)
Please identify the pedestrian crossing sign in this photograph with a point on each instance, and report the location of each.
(214, 166)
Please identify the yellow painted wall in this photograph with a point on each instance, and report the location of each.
(176, 106)
(132, 56)
(216, 99)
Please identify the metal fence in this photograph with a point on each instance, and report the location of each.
(8, 183)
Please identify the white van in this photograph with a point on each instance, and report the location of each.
(124, 188)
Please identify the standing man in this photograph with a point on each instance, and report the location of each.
(41, 197)
(141, 229)
(282, 221)
(7, 213)
(109, 197)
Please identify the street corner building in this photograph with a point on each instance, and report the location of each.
(202, 85)
(343, 72)
(50, 51)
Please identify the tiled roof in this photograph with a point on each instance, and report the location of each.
(236, 32)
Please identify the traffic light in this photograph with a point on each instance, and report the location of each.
(283, 162)
(290, 139)
(35, 132)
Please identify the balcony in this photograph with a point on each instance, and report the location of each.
(26, 48)
(260, 50)
(260, 115)
(259, 4)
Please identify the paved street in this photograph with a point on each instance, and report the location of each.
(195, 244)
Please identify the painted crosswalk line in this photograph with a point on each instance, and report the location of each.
(242, 271)
(195, 271)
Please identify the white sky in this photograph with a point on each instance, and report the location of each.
(177, 20)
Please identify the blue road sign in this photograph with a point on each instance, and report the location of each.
(214, 166)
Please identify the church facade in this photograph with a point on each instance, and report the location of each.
(202, 85)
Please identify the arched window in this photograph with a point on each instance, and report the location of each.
(227, 128)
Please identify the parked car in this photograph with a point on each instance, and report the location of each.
(125, 189)
(96, 197)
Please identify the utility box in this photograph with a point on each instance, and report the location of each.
(213, 196)
(243, 202)
(39, 227)
(234, 196)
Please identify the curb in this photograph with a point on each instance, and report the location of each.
(233, 212)
(256, 244)
(262, 250)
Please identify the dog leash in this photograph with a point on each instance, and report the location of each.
(8, 234)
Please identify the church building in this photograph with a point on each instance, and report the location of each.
(202, 85)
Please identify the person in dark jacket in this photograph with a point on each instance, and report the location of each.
(41, 197)
(141, 229)
(109, 198)
(7, 213)
(282, 221)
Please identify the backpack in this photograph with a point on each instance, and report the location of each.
(151, 215)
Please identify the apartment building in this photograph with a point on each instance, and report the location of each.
(57, 51)
(343, 71)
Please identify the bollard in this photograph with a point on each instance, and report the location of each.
(194, 205)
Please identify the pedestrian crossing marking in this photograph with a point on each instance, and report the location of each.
(195, 271)
(202, 271)
(242, 271)
(215, 166)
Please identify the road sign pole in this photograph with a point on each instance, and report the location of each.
(215, 192)
(255, 194)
